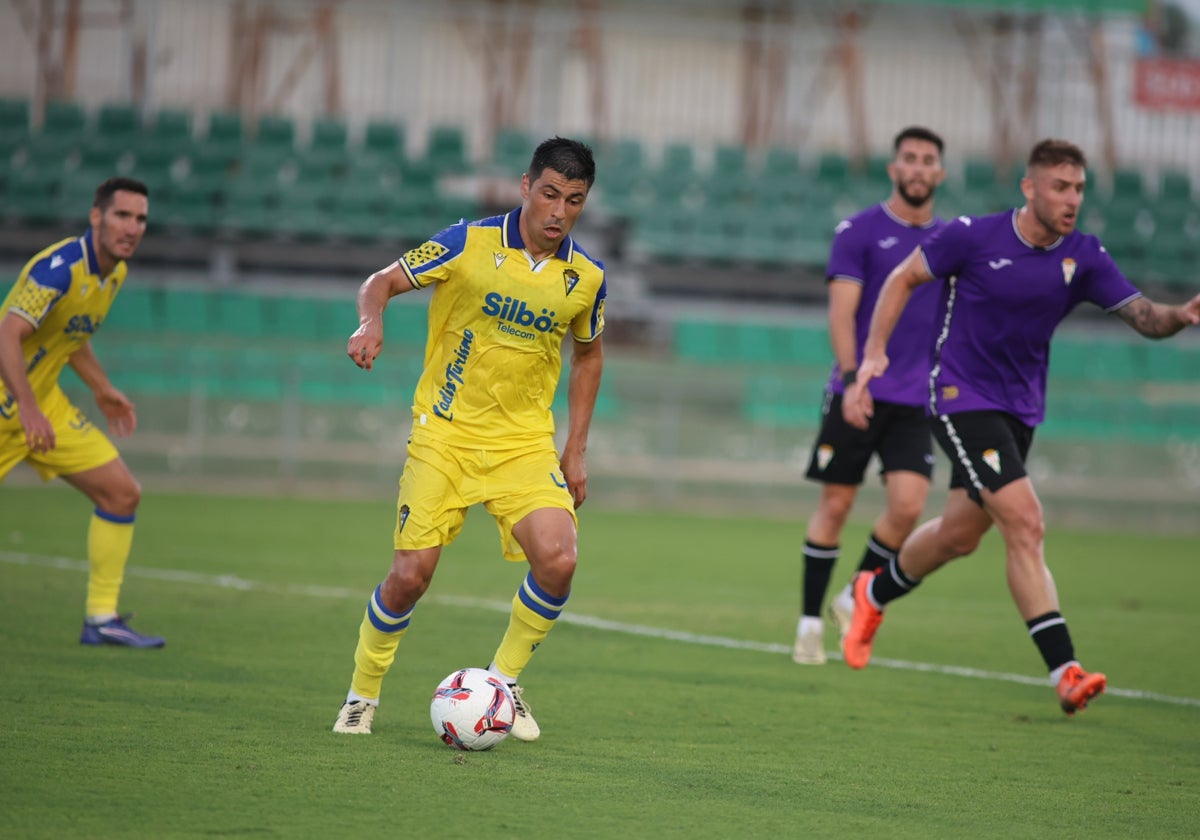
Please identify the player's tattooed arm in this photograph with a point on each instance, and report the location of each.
(1159, 320)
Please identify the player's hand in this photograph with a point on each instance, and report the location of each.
(119, 411)
(1191, 311)
(868, 369)
(852, 410)
(39, 434)
(365, 345)
(574, 470)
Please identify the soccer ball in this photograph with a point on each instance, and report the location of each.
(472, 709)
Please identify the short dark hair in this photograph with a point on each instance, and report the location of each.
(1052, 152)
(106, 191)
(569, 158)
(916, 132)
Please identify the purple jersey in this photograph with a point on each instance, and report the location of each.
(866, 247)
(1004, 299)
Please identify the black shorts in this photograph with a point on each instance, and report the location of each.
(987, 449)
(898, 433)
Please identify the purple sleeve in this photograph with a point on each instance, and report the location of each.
(1106, 286)
(945, 250)
(846, 255)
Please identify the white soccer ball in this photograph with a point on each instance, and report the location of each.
(472, 709)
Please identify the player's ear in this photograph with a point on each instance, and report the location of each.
(525, 184)
(94, 216)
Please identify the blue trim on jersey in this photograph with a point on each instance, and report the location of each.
(89, 253)
(54, 270)
(594, 319)
(511, 237)
(115, 517)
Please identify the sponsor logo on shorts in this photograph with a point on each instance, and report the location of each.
(403, 517)
(992, 458)
(824, 455)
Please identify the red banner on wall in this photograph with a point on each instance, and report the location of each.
(1167, 84)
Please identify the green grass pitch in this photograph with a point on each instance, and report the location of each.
(668, 703)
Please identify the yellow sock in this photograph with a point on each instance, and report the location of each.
(378, 637)
(533, 614)
(109, 539)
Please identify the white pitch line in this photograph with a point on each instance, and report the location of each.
(244, 585)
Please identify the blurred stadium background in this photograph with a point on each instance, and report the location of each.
(293, 147)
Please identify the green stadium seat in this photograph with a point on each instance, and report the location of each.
(1172, 255)
(238, 313)
(833, 170)
(1127, 184)
(276, 131)
(31, 196)
(137, 309)
(294, 318)
(76, 194)
(64, 117)
(980, 173)
(675, 175)
(328, 147)
(1175, 187)
(188, 205)
(170, 128)
(63, 130)
(221, 147)
(446, 151)
(186, 311)
(14, 125)
(384, 143)
(511, 151)
(303, 211)
(357, 214)
(117, 131)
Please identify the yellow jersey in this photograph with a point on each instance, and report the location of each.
(497, 322)
(59, 291)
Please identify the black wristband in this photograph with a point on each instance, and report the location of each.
(849, 377)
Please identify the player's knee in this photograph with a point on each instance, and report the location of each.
(554, 568)
(833, 509)
(959, 542)
(405, 583)
(121, 497)
(1027, 529)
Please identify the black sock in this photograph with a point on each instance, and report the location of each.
(877, 555)
(818, 568)
(1049, 632)
(891, 583)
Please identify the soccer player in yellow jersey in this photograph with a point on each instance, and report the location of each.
(507, 290)
(61, 297)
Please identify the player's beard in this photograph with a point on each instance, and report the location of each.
(912, 200)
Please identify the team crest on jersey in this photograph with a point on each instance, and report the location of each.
(1068, 270)
(992, 458)
(499, 258)
(570, 279)
(426, 253)
(824, 455)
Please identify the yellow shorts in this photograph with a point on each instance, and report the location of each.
(439, 483)
(79, 445)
